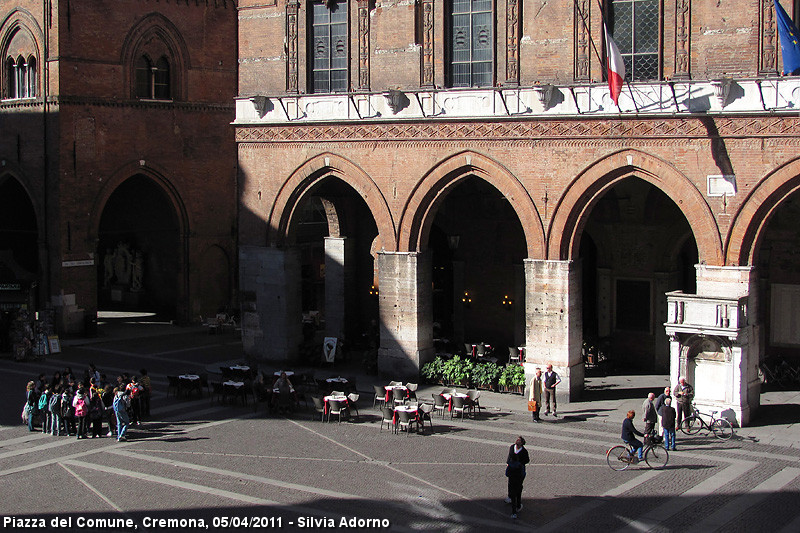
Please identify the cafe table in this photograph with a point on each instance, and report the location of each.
(390, 388)
(449, 397)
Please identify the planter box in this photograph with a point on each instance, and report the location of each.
(513, 389)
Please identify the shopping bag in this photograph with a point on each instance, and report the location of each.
(532, 405)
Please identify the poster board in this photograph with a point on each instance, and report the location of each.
(329, 349)
(54, 344)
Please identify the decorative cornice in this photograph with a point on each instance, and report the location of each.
(588, 129)
(149, 104)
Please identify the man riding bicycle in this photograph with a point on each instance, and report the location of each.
(629, 434)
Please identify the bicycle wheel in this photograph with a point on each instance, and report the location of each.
(618, 458)
(656, 457)
(691, 425)
(722, 429)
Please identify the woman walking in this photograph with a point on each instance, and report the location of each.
(515, 471)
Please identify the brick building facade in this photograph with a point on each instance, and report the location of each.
(455, 156)
(118, 175)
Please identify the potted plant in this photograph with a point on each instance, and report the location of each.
(432, 371)
(512, 379)
(485, 375)
(457, 371)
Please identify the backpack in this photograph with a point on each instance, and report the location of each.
(67, 410)
(43, 401)
(80, 407)
(55, 404)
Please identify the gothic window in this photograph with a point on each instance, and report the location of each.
(152, 80)
(329, 46)
(470, 25)
(20, 77)
(635, 27)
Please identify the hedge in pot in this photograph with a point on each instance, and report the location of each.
(432, 371)
(457, 371)
(485, 375)
(512, 379)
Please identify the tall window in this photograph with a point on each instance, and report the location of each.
(20, 77)
(471, 43)
(329, 49)
(635, 27)
(153, 81)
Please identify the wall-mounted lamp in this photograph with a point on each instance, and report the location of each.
(466, 299)
(373, 291)
(507, 302)
(453, 241)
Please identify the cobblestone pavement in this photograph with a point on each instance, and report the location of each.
(221, 464)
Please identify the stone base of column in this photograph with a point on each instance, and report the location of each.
(402, 365)
(270, 300)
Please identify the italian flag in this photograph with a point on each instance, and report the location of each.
(615, 67)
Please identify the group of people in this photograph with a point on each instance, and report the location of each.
(69, 406)
(543, 387)
(660, 416)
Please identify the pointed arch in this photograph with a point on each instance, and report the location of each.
(420, 210)
(753, 216)
(310, 173)
(159, 178)
(156, 37)
(573, 209)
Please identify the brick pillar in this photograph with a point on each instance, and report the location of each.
(335, 264)
(406, 317)
(554, 327)
(270, 298)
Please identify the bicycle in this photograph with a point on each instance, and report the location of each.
(721, 428)
(656, 456)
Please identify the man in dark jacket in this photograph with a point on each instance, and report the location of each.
(668, 417)
(650, 417)
(515, 471)
(629, 433)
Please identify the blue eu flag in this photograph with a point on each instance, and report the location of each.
(790, 46)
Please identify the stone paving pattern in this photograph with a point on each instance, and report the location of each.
(196, 458)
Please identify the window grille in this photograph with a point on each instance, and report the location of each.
(635, 28)
(329, 47)
(471, 43)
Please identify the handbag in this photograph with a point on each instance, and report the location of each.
(25, 413)
(532, 405)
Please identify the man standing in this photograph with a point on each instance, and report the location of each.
(551, 379)
(659, 404)
(684, 394)
(668, 423)
(535, 394)
(650, 418)
(515, 472)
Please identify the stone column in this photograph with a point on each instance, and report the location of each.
(458, 304)
(663, 282)
(406, 316)
(335, 260)
(270, 297)
(554, 327)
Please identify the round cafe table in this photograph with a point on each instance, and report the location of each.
(390, 388)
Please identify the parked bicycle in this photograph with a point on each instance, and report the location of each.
(721, 428)
(655, 455)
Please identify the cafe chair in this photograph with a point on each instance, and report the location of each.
(513, 354)
(439, 403)
(216, 390)
(406, 420)
(459, 405)
(336, 407)
(388, 418)
(468, 349)
(480, 350)
(474, 400)
(425, 410)
(319, 407)
(204, 383)
(337, 393)
(380, 396)
(395, 383)
(352, 398)
(412, 390)
(399, 396)
(174, 384)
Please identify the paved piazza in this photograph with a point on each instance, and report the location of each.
(200, 460)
